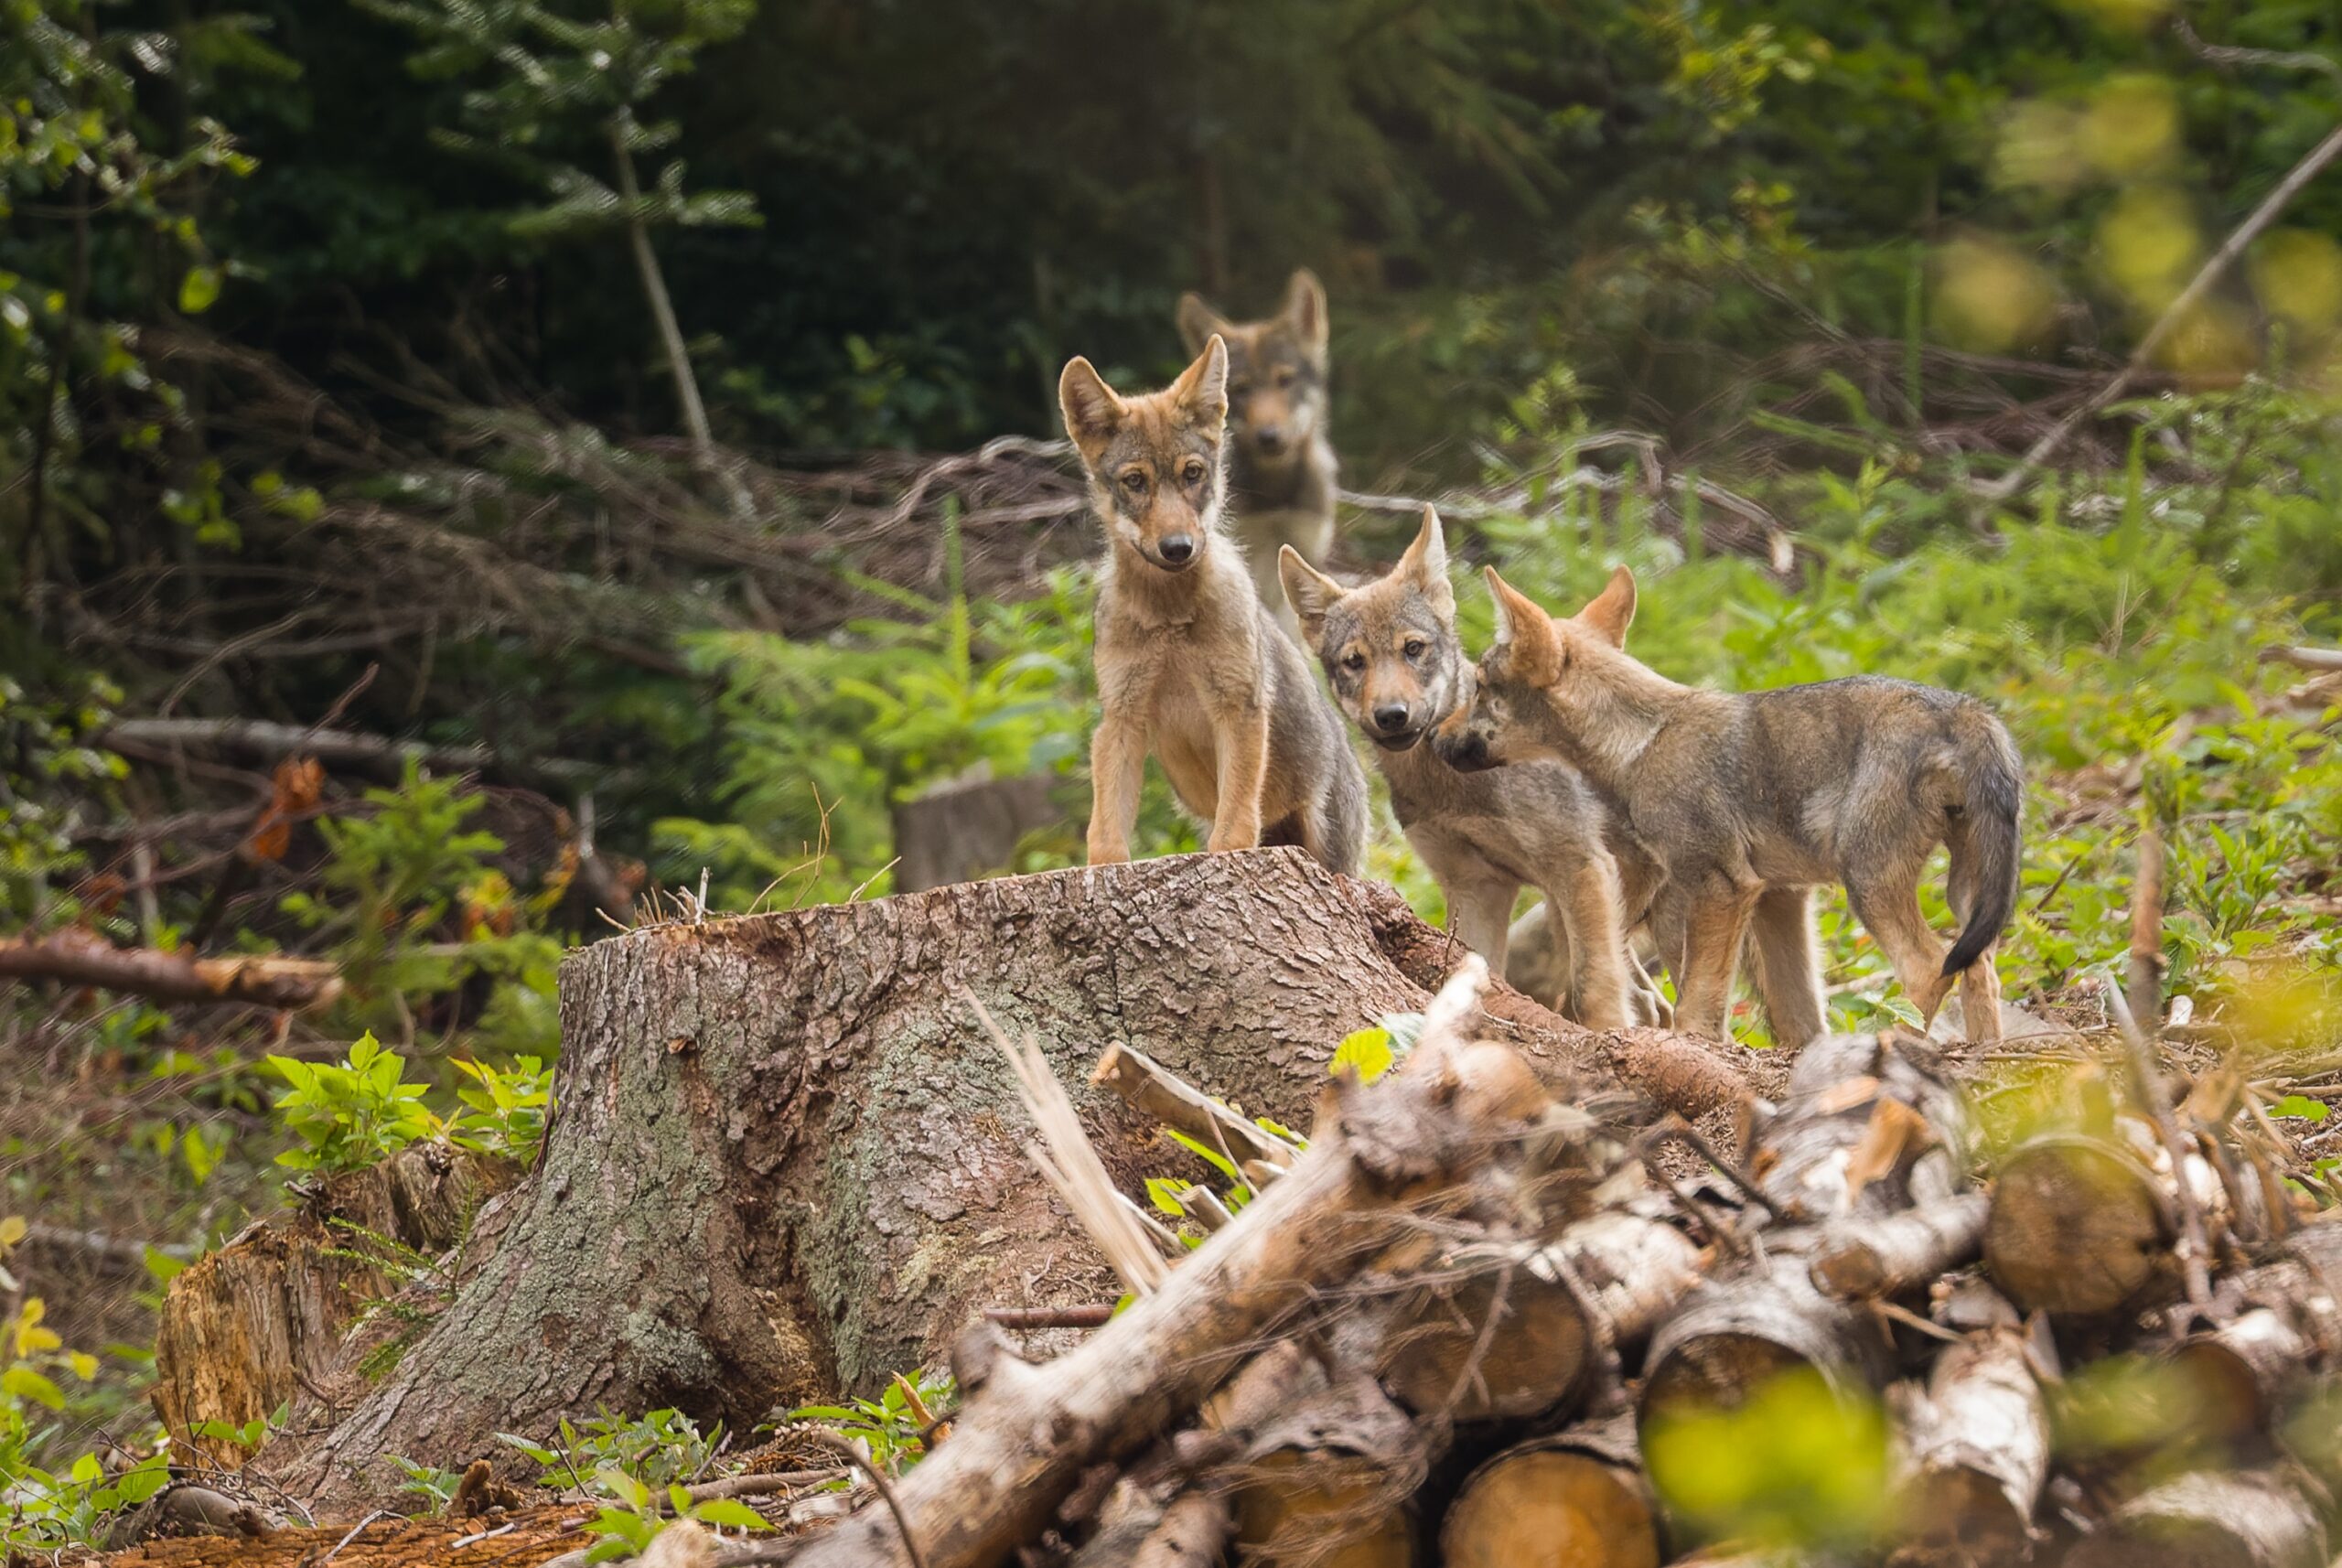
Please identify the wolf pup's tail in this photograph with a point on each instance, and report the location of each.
(1991, 777)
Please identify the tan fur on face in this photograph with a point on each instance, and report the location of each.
(1155, 462)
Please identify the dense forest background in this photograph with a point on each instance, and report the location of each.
(544, 398)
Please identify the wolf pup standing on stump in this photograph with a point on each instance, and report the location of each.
(1747, 798)
(1282, 489)
(1389, 647)
(1190, 667)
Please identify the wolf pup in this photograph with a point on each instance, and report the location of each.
(1746, 798)
(1282, 489)
(1190, 667)
(1389, 647)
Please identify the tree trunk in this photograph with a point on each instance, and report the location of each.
(245, 1328)
(785, 1163)
(670, 332)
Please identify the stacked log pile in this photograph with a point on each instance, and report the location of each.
(1461, 1328)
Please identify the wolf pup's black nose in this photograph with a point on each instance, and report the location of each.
(1177, 549)
(1391, 717)
(1270, 438)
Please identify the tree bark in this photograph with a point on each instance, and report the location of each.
(1861, 1260)
(1975, 1451)
(2254, 1518)
(781, 1164)
(246, 1329)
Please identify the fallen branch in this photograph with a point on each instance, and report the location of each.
(268, 741)
(1187, 1110)
(78, 958)
(2321, 660)
(1096, 1316)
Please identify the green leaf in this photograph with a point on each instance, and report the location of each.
(200, 290)
(1367, 1053)
(27, 1384)
(730, 1512)
(2301, 1105)
(1211, 1156)
(1164, 1193)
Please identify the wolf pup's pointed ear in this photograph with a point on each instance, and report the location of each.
(1092, 412)
(1425, 564)
(1310, 592)
(1304, 308)
(1613, 609)
(1527, 630)
(1198, 322)
(1201, 389)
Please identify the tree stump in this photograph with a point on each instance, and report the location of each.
(784, 1162)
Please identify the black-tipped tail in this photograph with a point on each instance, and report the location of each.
(1994, 785)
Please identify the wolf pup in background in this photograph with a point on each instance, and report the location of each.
(1282, 488)
(1190, 667)
(1389, 650)
(1746, 797)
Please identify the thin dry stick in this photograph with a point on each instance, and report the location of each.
(2147, 1089)
(854, 1456)
(2146, 984)
(2173, 315)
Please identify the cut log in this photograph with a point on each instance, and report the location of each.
(1332, 1483)
(1883, 1255)
(1868, 1123)
(255, 979)
(1576, 1499)
(2283, 1330)
(2255, 1519)
(1191, 1534)
(2082, 1227)
(1975, 1451)
(1511, 1330)
(1737, 1336)
(245, 1329)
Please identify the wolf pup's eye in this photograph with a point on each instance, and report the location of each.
(1194, 472)
(1285, 376)
(1353, 663)
(1416, 648)
(1135, 482)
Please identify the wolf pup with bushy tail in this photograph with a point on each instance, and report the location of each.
(1744, 798)
(1282, 482)
(1389, 648)
(1190, 667)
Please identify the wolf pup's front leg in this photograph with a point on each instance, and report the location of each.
(1243, 741)
(1117, 770)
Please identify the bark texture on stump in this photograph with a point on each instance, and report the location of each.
(244, 1328)
(784, 1160)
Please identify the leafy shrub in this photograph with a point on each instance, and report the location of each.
(348, 1115)
(662, 1448)
(892, 1427)
(505, 1107)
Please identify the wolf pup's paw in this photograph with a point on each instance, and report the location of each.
(1104, 853)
